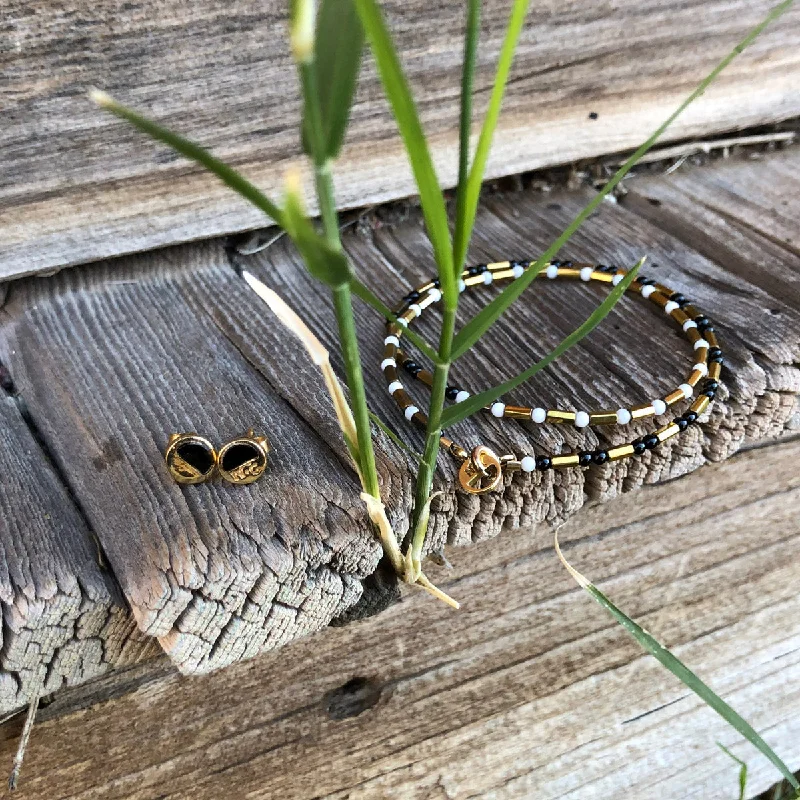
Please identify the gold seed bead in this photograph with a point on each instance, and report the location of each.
(557, 416)
(674, 397)
(604, 417)
(559, 462)
(569, 272)
(691, 311)
(603, 277)
(474, 280)
(498, 265)
(659, 299)
(714, 370)
(694, 335)
(701, 354)
(517, 412)
(668, 431)
(711, 338)
(680, 317)
(506, 273)
(701, 404)
(644, 410)
(694, 378)
(623, 451)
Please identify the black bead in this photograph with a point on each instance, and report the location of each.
(682, 423)
(678, 298)
(412, 297)
(566, 264)
(714, 352)
(717, 360)
(704, 325)
(450, 392)
(411, 367)
(437, 283)
(643, 281)
(478, 269)
(585, 458)
(523, 264)
(710, 394)
(599, 457)
(702, 319)
(690, 416)
(543, 463)
(638, 446)
(711, 384)
(650, 441)
(555, 262)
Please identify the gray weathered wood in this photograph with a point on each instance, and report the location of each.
(80, 186)
(63, 616)
(111, 360)
(530, 691)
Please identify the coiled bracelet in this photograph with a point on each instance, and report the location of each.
(482, 470)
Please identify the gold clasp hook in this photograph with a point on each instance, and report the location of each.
(481, 472)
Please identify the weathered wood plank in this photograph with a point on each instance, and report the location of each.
(79, 186)
(63, 616)
(530, 691)
(638, 352)
(111, 360)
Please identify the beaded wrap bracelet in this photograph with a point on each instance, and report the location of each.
(482, 470)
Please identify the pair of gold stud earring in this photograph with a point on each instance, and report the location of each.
(193, 459)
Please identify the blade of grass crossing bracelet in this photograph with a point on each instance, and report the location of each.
(476, 402)
(484, 319)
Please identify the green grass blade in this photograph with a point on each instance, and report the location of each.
(324, 262)
(474, 403)
(466, 217)
(394, 437)
(338, 47)
(405, 112)
(363, 293)
(680, 671)
(465, 118)
(742, 771)
(229, 176)
(482, 321)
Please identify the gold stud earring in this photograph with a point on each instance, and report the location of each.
(244, 459)
(190, 458)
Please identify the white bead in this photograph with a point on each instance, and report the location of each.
(498, 409)
(623, 416)
(701, 343)
(581, 419)
(659, 407)
(410, 411)
(435, 295)
(415, 308)
(586, 273)
(551, 271)
(690, 323)
(461, 285)
(701, 368)
(517, 270)
(538, 415)
(392, 340)
(402, 322)
(687, 390)
(648, 290)
(488, 277)
(394, 386)
(462, 396)
(670, 307)
(388, 362)
(528, 464)
(617, 279)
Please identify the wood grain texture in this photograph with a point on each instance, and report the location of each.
(530, 691)
(111, 360)
(78, 185)
(63, 617)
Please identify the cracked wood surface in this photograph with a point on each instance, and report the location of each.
(63, 617)
(530, 691)
(589, 79)
(111, 358)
